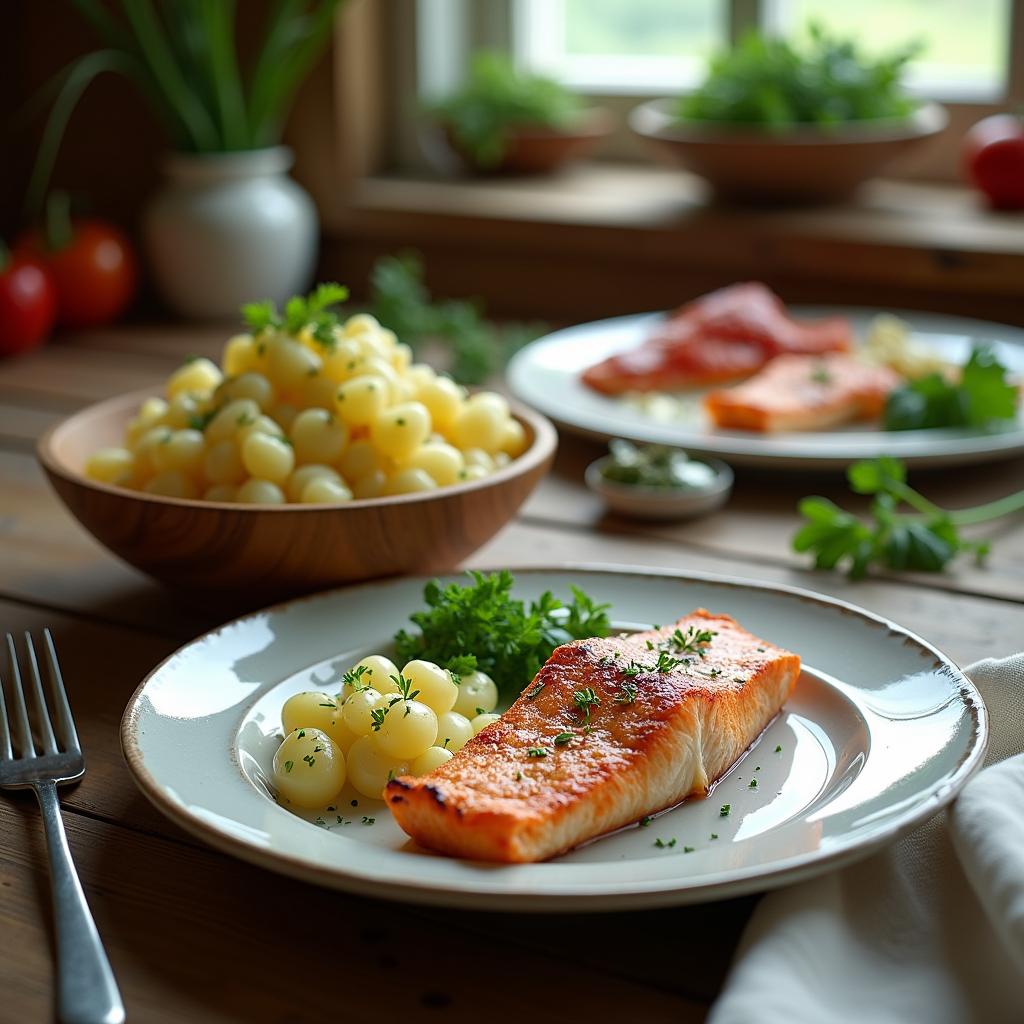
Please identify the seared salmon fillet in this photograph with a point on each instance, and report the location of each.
(609, 731)
(804, 393)
(722, 336)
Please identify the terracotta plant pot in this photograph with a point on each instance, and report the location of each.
(539, 149)
(803, 165)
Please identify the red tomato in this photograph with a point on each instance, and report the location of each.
(993, 153)
(28, 303)
(95, 272)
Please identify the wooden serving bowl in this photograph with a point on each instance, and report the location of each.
(802, 165)
(261, 553)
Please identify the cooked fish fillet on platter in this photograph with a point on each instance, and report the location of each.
(739, 375)
(610, 732)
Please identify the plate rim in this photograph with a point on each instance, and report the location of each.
(960, 450)
(630, 895)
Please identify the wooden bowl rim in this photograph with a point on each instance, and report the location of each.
(927, 120)
(545, 441)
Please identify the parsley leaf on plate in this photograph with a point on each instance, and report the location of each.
(508, 639)
(982, 396)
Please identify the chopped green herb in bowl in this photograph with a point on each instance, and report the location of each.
(658, 482)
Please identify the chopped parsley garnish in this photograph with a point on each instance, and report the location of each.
(753, 784)
(778, 748)
(378, 714)
(693, 641)
(714, 835)
(537, 752)
(562, 738)
(480, 711)
(688, 849)
(288, 766)
(310, 760)
(368, 821)
(519, 776)
(534, 690)
(328, 704)
(302, 733)
(585, 700)
(663, 844)
(666, 662)
(320, 821)
(820, 374)
(723, 811)
(405, 687)
(644, 822)
(354, 677)
(627, 695)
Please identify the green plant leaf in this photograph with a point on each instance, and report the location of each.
(160, 60)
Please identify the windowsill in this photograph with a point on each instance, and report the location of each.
(606, 238)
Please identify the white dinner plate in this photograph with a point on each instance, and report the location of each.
(546, 375)
(881, 732)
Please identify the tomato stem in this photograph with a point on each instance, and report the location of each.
(58, 231)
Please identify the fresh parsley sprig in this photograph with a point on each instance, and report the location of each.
(926, 538)
(312, 312)
(980, 398)
(506, 638)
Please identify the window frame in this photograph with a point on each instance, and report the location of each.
(434, 38)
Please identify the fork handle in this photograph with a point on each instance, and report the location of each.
(86, 990)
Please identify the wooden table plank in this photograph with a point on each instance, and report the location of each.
(758, 523)
(48, 559)
(195, 935)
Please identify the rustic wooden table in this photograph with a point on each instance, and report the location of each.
(194, 935)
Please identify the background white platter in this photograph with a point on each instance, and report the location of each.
(881, 732)
(546, 375)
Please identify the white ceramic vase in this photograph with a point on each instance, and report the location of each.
(230, 228)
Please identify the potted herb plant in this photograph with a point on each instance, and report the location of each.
(505, 121)
(776, 123)
(228, 223)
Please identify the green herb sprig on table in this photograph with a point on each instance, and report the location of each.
(926, 538)
(481, 625)
(774, 84)
(477, 348)
(983, 396)
(497, 97)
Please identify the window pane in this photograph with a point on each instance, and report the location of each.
(621, 45)
(643, 27)
(965, 44)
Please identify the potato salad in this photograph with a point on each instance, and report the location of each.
(383, 723)
(305, 407)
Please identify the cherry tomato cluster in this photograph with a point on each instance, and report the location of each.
(85, 280)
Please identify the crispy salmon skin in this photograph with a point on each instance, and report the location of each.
(609, 731)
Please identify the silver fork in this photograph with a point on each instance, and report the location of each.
(86, 990)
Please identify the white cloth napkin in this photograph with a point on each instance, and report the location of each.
(929, 930)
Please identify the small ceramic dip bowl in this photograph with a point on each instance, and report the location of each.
(697, 487)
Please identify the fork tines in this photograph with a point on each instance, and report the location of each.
(16, 734)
